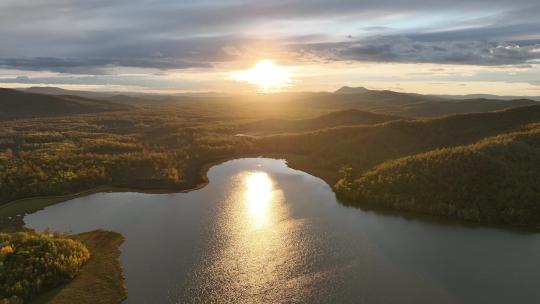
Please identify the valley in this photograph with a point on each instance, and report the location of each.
(434, 167)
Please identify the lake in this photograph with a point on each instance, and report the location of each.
(261, 232)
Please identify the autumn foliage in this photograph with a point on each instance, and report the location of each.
(31, 263)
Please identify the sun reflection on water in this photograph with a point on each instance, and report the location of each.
(258, 196)
(256, 250)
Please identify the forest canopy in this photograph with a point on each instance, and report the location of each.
(494, 180)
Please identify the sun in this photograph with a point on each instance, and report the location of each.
(266, 75)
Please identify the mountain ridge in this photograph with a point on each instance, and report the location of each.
(332, 119)
(17, 104)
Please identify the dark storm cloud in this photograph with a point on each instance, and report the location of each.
(76, 36)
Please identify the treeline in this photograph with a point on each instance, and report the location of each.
(31, 263)
(496, 180)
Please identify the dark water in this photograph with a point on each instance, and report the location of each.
(261, 232)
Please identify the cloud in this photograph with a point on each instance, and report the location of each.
(147, 53)
(88, 37)
(406, 50)
(95, 66)
(142, 81)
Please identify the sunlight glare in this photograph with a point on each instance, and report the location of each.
(266, 75)
(258, 195)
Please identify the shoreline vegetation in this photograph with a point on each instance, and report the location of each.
(12, 213)
(493, 181)
(296, 162)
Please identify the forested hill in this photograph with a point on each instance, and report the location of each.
(399, 104)
(325, 151)
(443, 166)
(16, 104)
(495, 180)
(441, 108)
(333, 119)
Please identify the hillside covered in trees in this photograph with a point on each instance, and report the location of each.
(333, 119)
(495, 180)
(31, 263)
(150, 150)
(441, 108)
(324, 152)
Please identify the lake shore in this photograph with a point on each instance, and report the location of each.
(101, 280)
(13, 212)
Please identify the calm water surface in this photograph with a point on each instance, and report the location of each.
(261, 232)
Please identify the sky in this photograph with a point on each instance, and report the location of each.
(423, 46)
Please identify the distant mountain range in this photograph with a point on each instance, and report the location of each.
(60, 91)
(333, 119)
(17, 104)
(359, 98)
(122, 96)
(417, 105)
(359, 90)
(487, 96)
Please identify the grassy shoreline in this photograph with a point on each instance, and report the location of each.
(101, 280)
